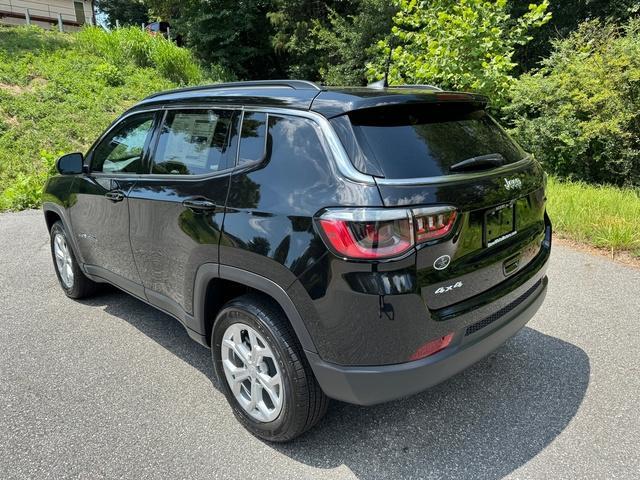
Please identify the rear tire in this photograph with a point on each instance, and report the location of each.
(289, 408)
(73, 281)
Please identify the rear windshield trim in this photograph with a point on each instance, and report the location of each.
(456, 177)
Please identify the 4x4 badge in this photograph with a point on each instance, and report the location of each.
(448, 288)
(513, 183)
(442, 262)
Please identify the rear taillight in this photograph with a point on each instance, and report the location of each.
(433, 222)
(375, 233)
(368, 233)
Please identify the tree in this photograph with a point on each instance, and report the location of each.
(347, 43)
(578, 113)
(567, 15)
(329, 41)
(464, 45)
(126, 12)
(293, 23)
(232, 34)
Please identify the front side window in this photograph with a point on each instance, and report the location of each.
(122, 149)
(193, 142)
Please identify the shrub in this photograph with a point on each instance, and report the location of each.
(111, 75)
(132, 45)
(580, 112)
(460, 45)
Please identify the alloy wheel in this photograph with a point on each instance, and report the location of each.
(252, 372)
(63, 258)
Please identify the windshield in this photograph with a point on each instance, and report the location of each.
(422, 140)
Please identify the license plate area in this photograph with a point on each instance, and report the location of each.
(499, 224)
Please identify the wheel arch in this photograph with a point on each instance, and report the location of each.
(51, 217)
(54, 213)
(205, 301)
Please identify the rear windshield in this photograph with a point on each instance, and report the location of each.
(421, 140)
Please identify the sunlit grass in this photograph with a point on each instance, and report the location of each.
(602, 216)
(58, 91)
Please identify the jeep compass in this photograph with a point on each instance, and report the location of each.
(360, 244)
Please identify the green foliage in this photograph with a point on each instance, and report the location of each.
(602, 216)
(126, 45)
(293, 22)
(461, 45)
(234, 35)
(329, 41)
(580, 113)
(25, 190)
(566, 15)
(347, 42)
(59, 91)
(126, 12)
(258, 39)
(110, 74)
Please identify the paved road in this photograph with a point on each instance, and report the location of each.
(111, 388)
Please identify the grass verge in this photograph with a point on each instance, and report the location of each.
(604, 217)
(59, 91)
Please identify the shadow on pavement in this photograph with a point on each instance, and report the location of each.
(483, 423)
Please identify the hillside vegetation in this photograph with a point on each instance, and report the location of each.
(602, 216)
(59, 91)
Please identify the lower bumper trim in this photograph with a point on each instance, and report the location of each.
(370, 385)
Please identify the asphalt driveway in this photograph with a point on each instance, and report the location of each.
(111, 388)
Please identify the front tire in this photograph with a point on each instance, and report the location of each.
(263, 371)
(73, 282)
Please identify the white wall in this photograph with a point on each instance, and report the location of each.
(45, 8)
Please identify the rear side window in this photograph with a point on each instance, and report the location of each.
(193, 142)
(423, 140)
(253, 137)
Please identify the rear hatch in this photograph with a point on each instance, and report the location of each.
(454, 154)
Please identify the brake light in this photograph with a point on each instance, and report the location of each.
(432, 347)
(376, 233)
(432, 223)
(368, 233)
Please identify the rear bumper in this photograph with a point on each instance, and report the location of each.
(369, 385)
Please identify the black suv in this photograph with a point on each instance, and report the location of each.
(359, 244)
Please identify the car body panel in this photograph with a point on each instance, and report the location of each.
(170, 241)
(350, 316)
(101, 226)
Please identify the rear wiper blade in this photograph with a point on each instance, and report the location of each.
(480, 162)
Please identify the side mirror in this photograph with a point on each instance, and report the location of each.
(70, 164)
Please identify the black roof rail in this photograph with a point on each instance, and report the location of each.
(419, 87)
(380, 84)
(293, 84)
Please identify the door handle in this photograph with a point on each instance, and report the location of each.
(115, 195)
(199, 204)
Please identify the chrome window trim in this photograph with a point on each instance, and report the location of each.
(339, 155)
(337, 151)
(457, 177)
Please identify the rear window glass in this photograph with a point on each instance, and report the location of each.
(424, 141)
